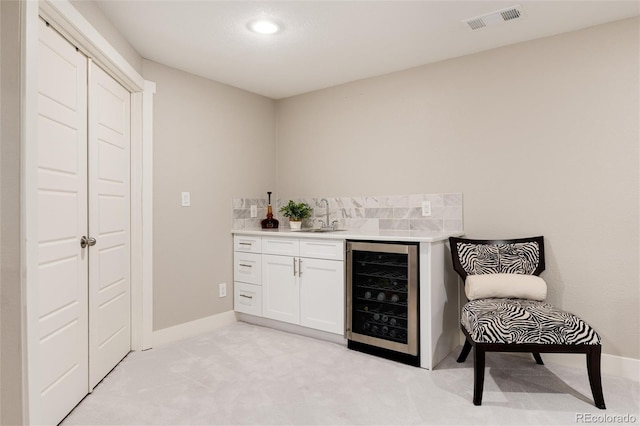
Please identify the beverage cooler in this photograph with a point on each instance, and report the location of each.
(382, 299)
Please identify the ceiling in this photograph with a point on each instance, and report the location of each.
(326, 43)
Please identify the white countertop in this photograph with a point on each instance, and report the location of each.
(354, 234)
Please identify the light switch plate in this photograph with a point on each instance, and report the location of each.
(186, 199)
(254, 210)
(426, 208)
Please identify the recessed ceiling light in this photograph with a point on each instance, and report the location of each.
(264, 26)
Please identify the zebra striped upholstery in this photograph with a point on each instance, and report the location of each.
(523, 321)
(513, 258)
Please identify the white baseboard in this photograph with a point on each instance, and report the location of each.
(610, 365)
(193, 328)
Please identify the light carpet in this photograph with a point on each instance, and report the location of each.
(244, 374)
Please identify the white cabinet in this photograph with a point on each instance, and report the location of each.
(247, 267)
(249, 244)
(281, 299)
(322, 294)
(297, 280)
(283, 280)
(247, 275)
(319, 249)
(281, 246)
(247, 298)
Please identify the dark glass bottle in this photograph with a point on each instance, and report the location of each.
(269, 222)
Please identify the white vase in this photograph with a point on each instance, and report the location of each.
(295, 224)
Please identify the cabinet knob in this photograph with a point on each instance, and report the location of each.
(84, 241)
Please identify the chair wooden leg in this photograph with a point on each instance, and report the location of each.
(595, 379)
(478, 375)
(465, 351)
(538, 358)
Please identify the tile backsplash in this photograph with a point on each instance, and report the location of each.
(387, 212)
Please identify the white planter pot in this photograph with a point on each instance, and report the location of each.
(295, 224)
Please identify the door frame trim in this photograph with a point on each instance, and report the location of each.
(68, 21)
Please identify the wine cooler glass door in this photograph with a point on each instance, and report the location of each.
(382, 286)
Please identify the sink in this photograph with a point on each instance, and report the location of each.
(322, 230)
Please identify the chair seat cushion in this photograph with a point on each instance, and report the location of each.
(520, 321)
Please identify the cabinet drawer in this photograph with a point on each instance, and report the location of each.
(281, 246)
(247, 244)
(247, 267)
(322, 249)
(247, 298)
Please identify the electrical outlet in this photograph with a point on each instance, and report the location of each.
(426, 208)
(222, 290)
(254, 210)
(186, 199)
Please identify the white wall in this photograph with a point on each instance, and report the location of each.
(217, 142)
(540, 137)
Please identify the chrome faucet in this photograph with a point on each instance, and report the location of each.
(327, 223)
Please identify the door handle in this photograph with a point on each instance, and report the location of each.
(90, 241)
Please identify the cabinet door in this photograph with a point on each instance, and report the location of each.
(322, 294)
(280, 290)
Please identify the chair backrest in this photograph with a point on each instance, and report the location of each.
(516, 256)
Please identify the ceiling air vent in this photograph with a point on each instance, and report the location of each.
(510, 14)
(476, 23)
(494, 18)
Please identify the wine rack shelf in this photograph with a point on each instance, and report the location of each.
(380, 295)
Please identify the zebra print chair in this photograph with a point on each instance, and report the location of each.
(518, 325)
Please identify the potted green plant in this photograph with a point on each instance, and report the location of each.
(296, 212)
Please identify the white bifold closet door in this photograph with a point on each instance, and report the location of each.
(62, 221)
(83, 194)
(109, 221)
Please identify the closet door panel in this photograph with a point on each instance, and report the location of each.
(62, 279)
(109, 223)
